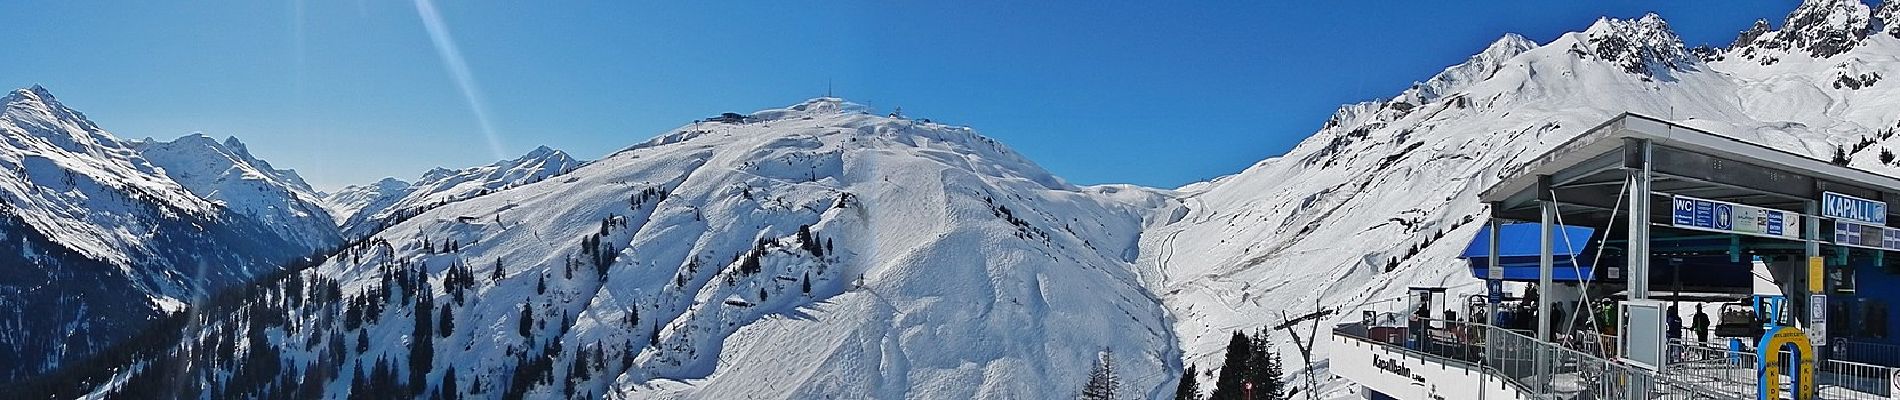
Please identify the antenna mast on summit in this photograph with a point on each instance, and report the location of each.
(827, 87)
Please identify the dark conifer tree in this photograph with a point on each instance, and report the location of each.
(1234, 370)
(449, 389)
(527, 321)
(446, 326)
(1264, 369)
(422, 339)
(1189, 388)
(1103, 384)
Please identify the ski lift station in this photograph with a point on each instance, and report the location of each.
(1604, 257)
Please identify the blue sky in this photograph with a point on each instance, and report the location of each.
(1158, 94)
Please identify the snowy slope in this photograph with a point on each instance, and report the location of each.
(370, 208)
(345, 203)
(1384, 195)
(815, 251)
(226, 173)
(96, 240)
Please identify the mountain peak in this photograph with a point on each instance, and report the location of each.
(811, 108)
(33, 94)
(1885, 16)
(1820, 28)
(1475, 69)
(1826, 27)
(542, 151)
(1510, 43)
(232, 143)
(1644, 46)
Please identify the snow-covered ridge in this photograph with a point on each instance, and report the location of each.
(812, 251)
(63, 176)
(346, 202)
(97, 239)
(226, 173)
(370, 208)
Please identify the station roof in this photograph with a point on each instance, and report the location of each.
(1588, 173)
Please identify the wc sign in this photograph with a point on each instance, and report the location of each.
(1836, 205)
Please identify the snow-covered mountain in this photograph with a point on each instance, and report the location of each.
(813, 251)
(365, 209)
(98, 241)
(226, 173)
(1384, 195)
(819, 250)
(346, 202)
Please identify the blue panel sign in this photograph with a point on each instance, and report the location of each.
(1840, 206)
(1721, 216)
(1685, 211)
(1866, 236)
(1704, 214)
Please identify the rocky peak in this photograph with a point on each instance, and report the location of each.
(1644, 46)
(1886, 18)
(1826, 27)
(1819, 28)
(1749, 36)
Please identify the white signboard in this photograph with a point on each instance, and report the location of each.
(1726, 217)
(1817, 320)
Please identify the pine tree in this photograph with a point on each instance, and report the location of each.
(449, 389)
(1188, 388)
(1264, 369)
(362, 341)
(1231, 383)
(359, 384)
(422, 339)
(541, 285)
(805, 284)
(1103, 384)
(761, 294)
(496, 276)
(447, 325)
(527, 321)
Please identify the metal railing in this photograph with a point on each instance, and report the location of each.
(1865, 353)
(1583, 366)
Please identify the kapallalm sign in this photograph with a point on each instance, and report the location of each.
(1840, 206)
(1726, 217)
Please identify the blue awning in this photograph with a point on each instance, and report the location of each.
(1518, 250)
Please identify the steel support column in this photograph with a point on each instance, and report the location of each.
(1547, 222)
(1545, 259)
(1494, 290)
(1638, 153)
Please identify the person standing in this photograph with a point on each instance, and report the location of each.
(1700, 324)
(1675, 324)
